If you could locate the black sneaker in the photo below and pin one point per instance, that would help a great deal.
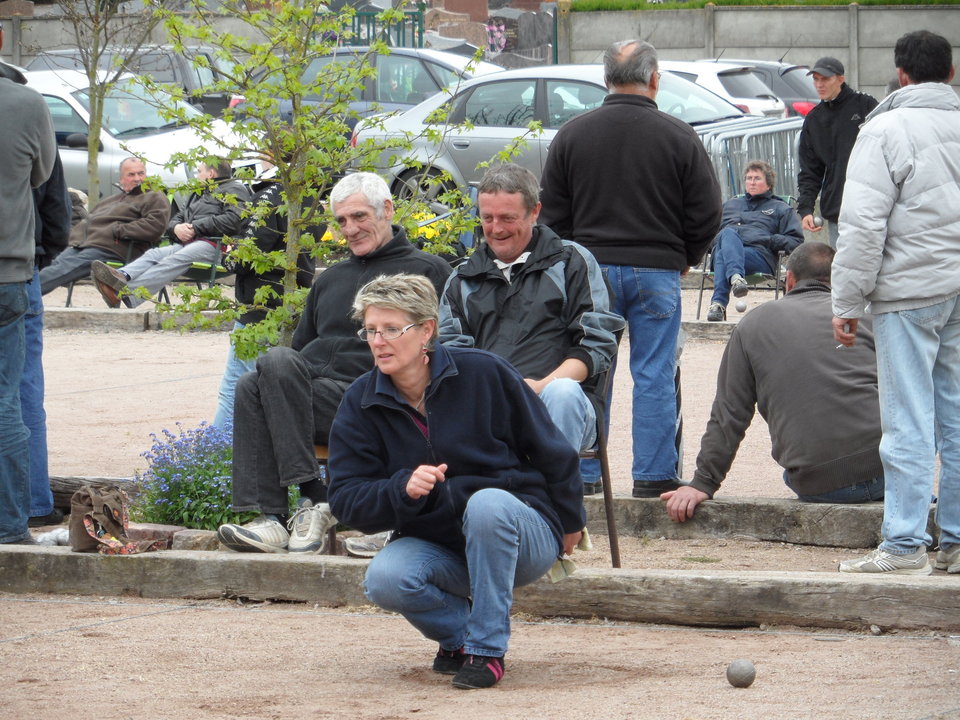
(54, 517)
(593, 488)
(478, 672)
(448, 662)
(716, 313)
(653, 489)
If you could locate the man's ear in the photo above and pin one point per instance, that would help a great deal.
(790, 281)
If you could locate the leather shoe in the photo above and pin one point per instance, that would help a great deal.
(109, 282)
(593, 488)
(653, 489)
(716, 313)
(54, 517)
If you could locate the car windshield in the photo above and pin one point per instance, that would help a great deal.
(744, 84)
(129, 111)
(692, 103)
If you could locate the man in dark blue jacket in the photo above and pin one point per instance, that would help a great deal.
(755, 228)
(536, 300)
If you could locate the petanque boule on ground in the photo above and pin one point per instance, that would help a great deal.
(741, 673)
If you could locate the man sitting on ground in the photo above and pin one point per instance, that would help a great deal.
(129, 222)
(286, 406)
(537, 301)
(755, 228)
(820, 402)
(195, 233)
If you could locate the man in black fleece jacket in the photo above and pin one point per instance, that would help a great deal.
(287, 404)
(635, 186)
(820, 401)
(826, 140)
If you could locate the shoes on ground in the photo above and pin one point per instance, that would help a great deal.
(479, 671)
(448, 662)
(109, 282)
(948, 560)
(881, 561)
(263, 534)
(366, 546)
(716, 313)
(738, 286)
(28, 540)
(654, 489)
(309, 526)
(593, 488)
(54, 517)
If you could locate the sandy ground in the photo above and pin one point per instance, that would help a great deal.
(131, 658)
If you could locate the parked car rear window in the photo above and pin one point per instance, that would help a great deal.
(744, 84)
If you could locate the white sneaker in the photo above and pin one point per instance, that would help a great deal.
(366, 545)
(881, 561)
(309, 526)
(948, 560)
(262, 534)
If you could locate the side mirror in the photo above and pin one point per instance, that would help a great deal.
(78, 141)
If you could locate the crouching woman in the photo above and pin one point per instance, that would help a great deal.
(452, 451)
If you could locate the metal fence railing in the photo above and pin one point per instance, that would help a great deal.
(408, 33)
(732, 145)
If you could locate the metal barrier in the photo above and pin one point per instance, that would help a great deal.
(408, 33)
(731, 145)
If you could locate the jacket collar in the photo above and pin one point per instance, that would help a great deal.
(845, 92)
(397, 246)
(544, 244)
(381, 390)
(809, 286)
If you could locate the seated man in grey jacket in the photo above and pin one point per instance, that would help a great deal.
(195, 233)
(820, 401)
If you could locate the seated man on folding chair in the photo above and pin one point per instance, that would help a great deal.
(536, 300)
(756, 227)
(195, 233)
(119, 228)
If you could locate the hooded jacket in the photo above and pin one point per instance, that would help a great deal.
(556, 306)
(505, 441)
(328, 339)
(827, 136)
(899, 246)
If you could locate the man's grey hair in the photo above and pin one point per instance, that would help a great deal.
(132, 158)
(635, 66)
(413, 295)
(811, 261)
(512, 178)
(370, 185)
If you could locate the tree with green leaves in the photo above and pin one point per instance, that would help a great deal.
(102, 29)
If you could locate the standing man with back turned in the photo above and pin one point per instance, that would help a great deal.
(635, 186)
(29, 149)
(899, 251)
(826, 139)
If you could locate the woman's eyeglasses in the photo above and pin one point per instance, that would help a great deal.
(390, 333)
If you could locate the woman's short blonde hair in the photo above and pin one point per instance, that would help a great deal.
(413, 295)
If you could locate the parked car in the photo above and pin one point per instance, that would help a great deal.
(160, 62)
(733, 81)
(787, 81)
(403, 78)
(498, 109)
(132, 125)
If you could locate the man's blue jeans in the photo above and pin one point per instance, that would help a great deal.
(228, 384)
(731, 257)
(466, 603)
(918, 367)
(861, 492)
(572, 412)
(14, 455)
(649, 299)
(31, 402)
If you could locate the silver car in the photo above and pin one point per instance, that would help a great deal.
(486, 114)
(132, 125)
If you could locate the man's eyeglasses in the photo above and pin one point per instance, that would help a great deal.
(390, 333)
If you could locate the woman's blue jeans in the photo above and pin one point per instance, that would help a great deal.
(465, 602)
(14, 455)
(731, 257)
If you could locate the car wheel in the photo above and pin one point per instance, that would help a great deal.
(423, 185)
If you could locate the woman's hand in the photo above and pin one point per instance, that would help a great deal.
(423, 479)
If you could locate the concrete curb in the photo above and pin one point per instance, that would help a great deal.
(717, 599)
